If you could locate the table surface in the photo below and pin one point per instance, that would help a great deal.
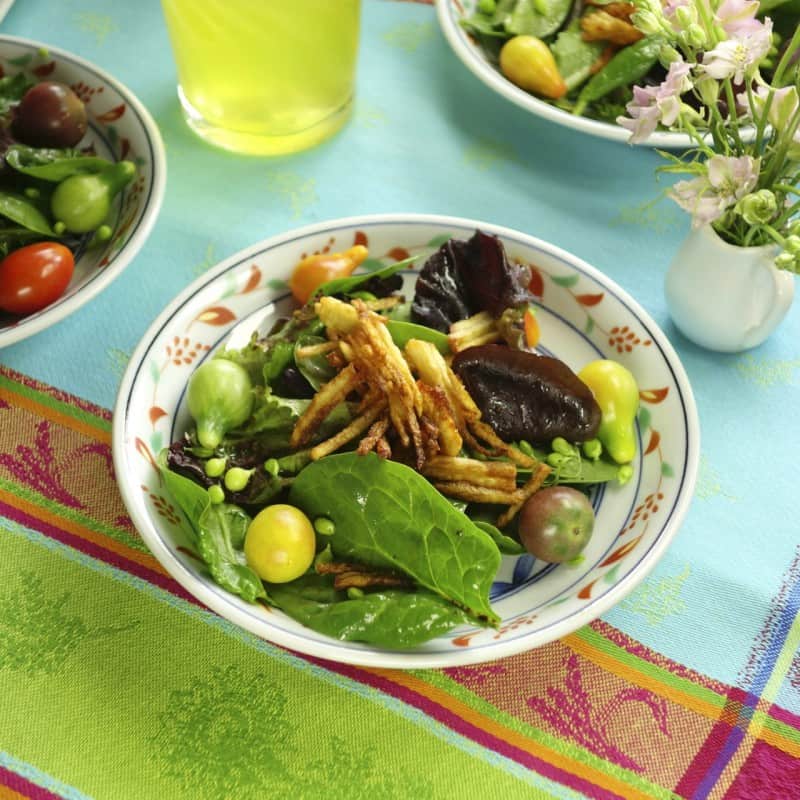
(113, 684)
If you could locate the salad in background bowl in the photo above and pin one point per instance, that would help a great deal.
(168, 434)
(588, 91)
(81, 185)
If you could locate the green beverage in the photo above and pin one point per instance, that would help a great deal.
(264, 77)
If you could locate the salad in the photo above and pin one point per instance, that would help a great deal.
(583, 56)
(56, 193)
(366, 463)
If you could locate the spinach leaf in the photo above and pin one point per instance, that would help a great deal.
(353, 283)
(389, 618)
(540, 18)
(387, 515)
(506, 544)
(574, 56)
(52, 165)
(317, 370)
(19, 209)
(401, 332)
(12, 90)
(219, 532)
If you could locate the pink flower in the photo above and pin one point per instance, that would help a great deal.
(737, 17)
(741, 54)
(652, 105)
(709, 196)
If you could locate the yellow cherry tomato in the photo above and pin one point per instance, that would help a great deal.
(528, 62)
(320, 268)
(280, 543)
(617, 393)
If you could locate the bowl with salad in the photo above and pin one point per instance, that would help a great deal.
(406, 441)
(81, 183)
(572, 62)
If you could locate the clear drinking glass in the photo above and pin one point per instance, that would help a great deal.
(264, 76)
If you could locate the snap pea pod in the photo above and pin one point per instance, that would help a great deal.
(624, 69)
(19, 209)
(52, 165)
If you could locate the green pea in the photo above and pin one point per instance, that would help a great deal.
(272, 466)
(557, 460)
(32, 192)
(236, 479)
(215, 467)
(354, 593)
(624, 474)
(526, 448)
(324, 526)
(216, 494)
(561, 445)
(487, 6)
(592, 448)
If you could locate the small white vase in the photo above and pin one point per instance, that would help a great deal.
(723, 297)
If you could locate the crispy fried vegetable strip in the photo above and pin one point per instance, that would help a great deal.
(532, 486)
(618, 10)
(311, 350)
(324, 401)
(336, 315)
(383, 303)
(436, 407)
(495, 474)
(366, 580)
(600, 26)
(374, 435)
(487, 434)
(347, 434)
(464, 490)
(383, 448)
(473, 331)
(603, 59)
(348, 575)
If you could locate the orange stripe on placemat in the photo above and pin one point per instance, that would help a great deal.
(99, 539)
(632, 675)
(50, 413)
(10, 794)
(518, 740)
(696, 704)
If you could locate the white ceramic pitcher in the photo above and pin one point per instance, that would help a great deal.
(723, 297)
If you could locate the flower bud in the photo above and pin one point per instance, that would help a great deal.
(686, 16)
(786, 261)
(647, 22)
(696, 35)
(708, 89)
(758, 208)
(668, 55)
(792, 245)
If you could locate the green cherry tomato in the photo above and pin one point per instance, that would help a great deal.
(34, 276)
(82, 202)
(280, 543)
(556, 523)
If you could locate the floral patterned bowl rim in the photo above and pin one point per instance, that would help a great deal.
(449, 12)
(121, 126)
(583, 315)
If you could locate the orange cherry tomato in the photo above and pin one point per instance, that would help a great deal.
(34, 276)
(532, 332)
(317, 269)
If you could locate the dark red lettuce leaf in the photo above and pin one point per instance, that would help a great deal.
(463, 278)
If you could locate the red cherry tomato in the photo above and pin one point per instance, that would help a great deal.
(34, 276)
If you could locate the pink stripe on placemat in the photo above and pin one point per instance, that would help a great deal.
(15, 782)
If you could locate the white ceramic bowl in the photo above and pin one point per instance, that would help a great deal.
(472, 56)
(583, 315)
(120, 128)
